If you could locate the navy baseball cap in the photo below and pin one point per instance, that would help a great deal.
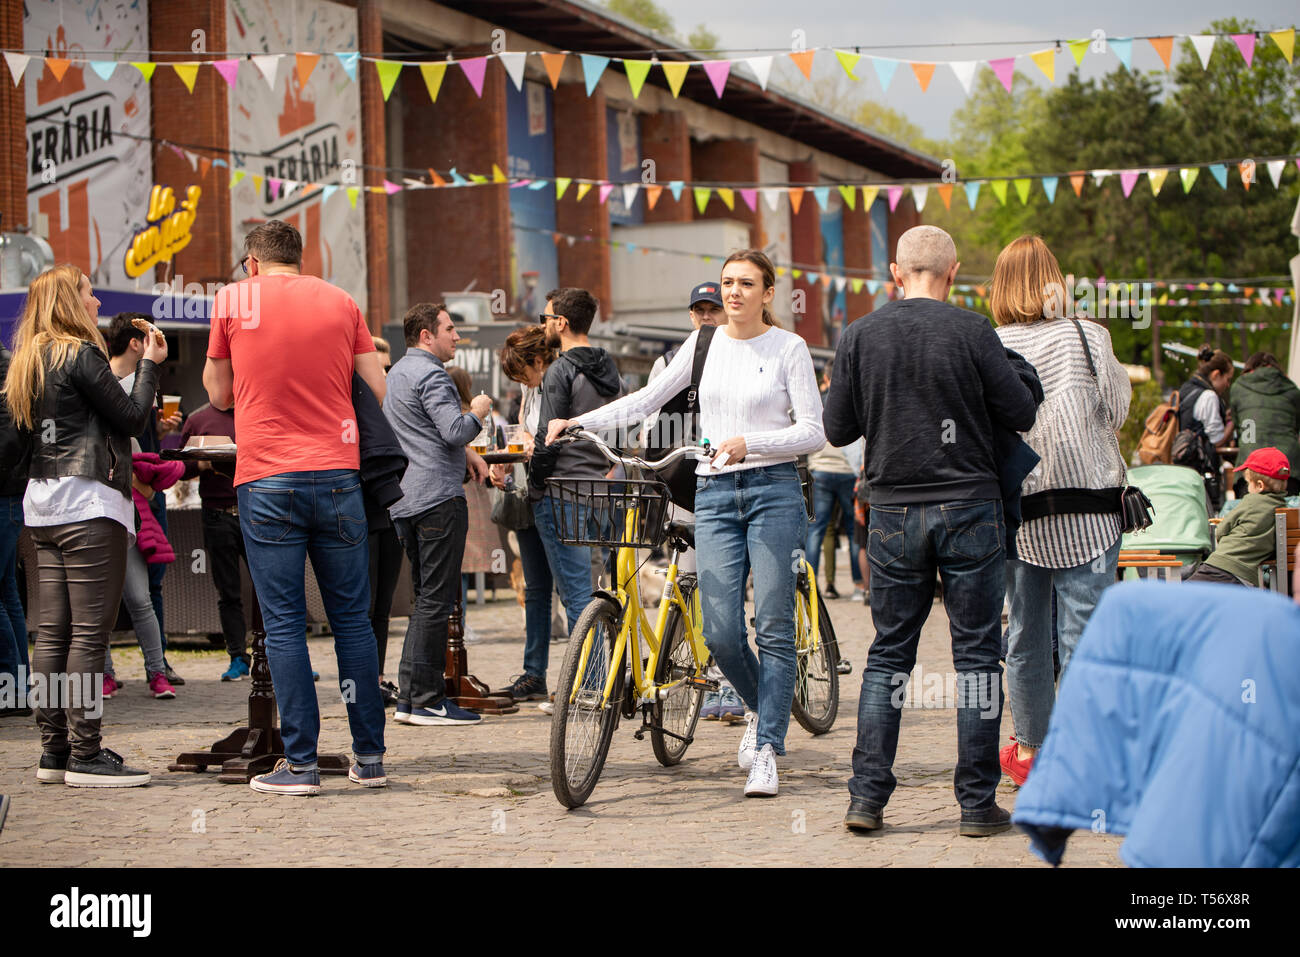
(706, 292)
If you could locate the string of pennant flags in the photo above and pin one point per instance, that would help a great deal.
(675, 72)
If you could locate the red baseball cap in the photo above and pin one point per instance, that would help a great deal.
(1267, 461)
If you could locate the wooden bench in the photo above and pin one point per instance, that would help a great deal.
(1152, 560)
(1276, 572)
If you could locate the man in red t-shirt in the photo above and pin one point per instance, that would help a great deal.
(282, 349)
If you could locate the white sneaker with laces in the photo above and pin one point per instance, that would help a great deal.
(748, 743)
(762, 776)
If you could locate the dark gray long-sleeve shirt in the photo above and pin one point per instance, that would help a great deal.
(423, 407)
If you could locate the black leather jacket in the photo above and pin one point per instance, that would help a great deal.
(85, 422)
(15, 444)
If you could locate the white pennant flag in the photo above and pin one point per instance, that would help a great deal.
(514, 64)
(840, 283)
(762, 67)
(1204, 47)
(773, 198)
(269, 64)
(17, 65)
(965, 71)
(918, 196)
(1100, 174)
(629, 194)
(194, 160)
(1275, 171)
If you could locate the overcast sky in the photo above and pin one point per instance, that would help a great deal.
(947, 23)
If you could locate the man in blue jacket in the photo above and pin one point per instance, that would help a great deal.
(928, 384)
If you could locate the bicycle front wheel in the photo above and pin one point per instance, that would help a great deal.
(581, 727)
(676, 713)
(817, 683)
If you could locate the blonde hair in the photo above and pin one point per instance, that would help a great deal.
(381, 345)
(925, 249)
(54, 325)
(1027, 283)
(1271, 484)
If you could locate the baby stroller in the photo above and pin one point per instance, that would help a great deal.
(1181, 520)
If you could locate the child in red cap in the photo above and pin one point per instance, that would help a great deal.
(1246, 535)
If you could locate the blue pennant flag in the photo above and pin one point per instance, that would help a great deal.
(1049, 187)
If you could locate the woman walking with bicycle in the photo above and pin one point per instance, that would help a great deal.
(759, 390)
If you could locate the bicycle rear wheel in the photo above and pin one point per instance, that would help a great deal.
(817, 683)
(678, 711)
(581, 728)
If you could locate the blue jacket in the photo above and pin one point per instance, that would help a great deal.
(1178, 725)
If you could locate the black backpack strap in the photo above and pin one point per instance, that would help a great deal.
(702, 343)
(1086, 351)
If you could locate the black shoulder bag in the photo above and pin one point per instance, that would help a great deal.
(680, 476)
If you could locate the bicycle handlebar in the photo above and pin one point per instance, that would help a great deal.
(576, 432)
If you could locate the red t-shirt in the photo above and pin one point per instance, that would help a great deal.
(290, 341)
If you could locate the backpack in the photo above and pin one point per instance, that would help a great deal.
(1159, 432)
(685, 406)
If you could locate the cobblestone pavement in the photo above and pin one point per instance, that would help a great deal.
(482, 795)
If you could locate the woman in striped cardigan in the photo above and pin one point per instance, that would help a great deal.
(1069, 541)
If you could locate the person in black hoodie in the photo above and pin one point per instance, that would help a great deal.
(78, 505)
(581, 379)
(929, 384)
(15, 456)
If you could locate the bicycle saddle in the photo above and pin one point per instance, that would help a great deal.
(682, 531)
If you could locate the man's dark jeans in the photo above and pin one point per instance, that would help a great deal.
(964, 540)
(225, 545)
(435, 545)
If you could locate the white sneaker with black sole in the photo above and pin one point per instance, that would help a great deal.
(762, 776)
(748, 743)
(104, 770)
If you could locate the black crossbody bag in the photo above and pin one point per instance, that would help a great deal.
(680, 476)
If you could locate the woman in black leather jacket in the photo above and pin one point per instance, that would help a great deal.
(78, 506)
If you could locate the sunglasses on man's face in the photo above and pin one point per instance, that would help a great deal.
(543, 316)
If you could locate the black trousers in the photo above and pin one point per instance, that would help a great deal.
(385, 564)
(225, 547)
(435, 546)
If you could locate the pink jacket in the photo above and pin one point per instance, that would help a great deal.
(159, 475)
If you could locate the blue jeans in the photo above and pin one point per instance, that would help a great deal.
(965, 542)
(284, 519)
(13, 623)
(1030, 682)
(570, 564)
(828, 488)
(760, 512)
(538, 584)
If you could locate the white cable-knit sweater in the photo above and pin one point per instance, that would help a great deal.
(750, 387)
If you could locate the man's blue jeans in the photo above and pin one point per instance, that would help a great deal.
(13, 624)
(965, 541)
(1031, 684)
(760, 512)
(570, 564)
(285, 519)
(828, 488)
(538, 584)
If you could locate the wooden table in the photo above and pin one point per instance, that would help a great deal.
(256, 747)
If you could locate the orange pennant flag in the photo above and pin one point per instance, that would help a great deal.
(58, 67)
(804, 62)
(1165, 47)
(306, 63)
(1076, 180)
(205, 164)
(652, 195)
(437, 180)
(1247, 173)
(924, 72)
(796, 198)
(945, 194)
(554, 63)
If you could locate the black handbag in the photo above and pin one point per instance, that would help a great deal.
(680, 476)
(511, 508)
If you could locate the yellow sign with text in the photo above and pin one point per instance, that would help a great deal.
(168, 231)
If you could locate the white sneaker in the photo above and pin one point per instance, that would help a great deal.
(547, 707)
(748, 743)
(762, 776)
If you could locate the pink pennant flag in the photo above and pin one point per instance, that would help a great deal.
(895, 194)
(717, 71)
(475, 68)
(605, 190)
(1005, 69)
(229, 70)
(1127, 179)
(391, 188)
(275, 187)
(1246, 44)
(750, 196)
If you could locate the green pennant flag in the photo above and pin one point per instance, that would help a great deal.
(850, 194)
(561, 184)
(1022, 190)
(848, 61)
(1188, 176)
(701, 197)
(353, 192)
(235, 177)
(636, 73)
(146, 69)
(999, 187)
(388, 71)
(477, 178)
(1078, 48)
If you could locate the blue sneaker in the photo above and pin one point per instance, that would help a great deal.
(446, 712)
(285, 780)
(368, 775)
(711, 703)
(402, 714)
(731, 708)
(238, 669)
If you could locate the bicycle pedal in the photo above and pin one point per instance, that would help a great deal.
(706, 684)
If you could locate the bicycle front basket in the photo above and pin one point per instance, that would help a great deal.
(595, 511)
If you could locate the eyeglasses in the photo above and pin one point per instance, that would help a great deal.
(543, 316)
(243, 264)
